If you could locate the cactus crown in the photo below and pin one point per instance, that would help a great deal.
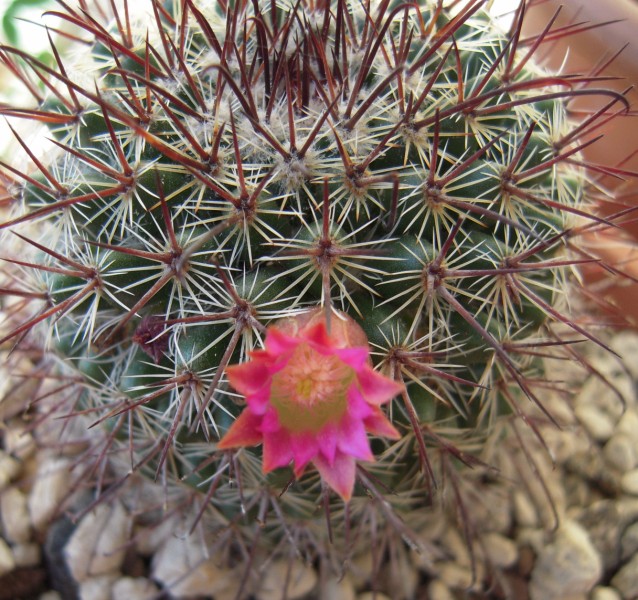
(218, 166)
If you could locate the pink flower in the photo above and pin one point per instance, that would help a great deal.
(312, 397)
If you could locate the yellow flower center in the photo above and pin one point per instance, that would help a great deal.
(311, 390)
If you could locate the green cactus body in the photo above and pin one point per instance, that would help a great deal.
(241, 162)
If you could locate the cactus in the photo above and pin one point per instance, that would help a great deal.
(219, 170)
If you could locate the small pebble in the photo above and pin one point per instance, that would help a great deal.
(493, 509)
(51, 483)
(610, 401)
(16, 522)
(361, 567)
(627, 508)
(400, 576)
(183, 566)
(300, 579)
(628, 425)
(501, 551)
(438, 590)
(626, 345)
(97, 588)
(337, 589)
(134, 588)
(604, 525)
(7, 562)
(9, 469)
(626, 579)
(598, 424)
(604, 593)
(619, 452)
(629, 542)
(455, 575)
(568, 565)
(629, 482)
(18, 442)
(148, 540)
(525, 513)
(98, 544)
(372, 596)
(456, 547)
(27, 555)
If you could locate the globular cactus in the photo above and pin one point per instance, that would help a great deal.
(228, 174)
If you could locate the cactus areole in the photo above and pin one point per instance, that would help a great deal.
(277, 250)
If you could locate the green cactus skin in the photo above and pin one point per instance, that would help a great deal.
(234, 163)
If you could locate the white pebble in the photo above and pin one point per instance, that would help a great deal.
(18, 442)
(96, 588)
(337, 589)
(524, 511)
(9, 469)
(27, 555)
(400, 576)
(184, 567)
(628, 425)
(16, 522)
(456, 545)
(7, 562)
(438, 590)
(629, 542)
(361, 567)
(626, 579)
(98, 544)
(619, 452)
(501, 551)
(604, 593)
(626, 345)
(148, 540)
(566, 566)
(134, 588)
(300, 580)
(629, 482)
(51, 484)
(598, 393)
(597, 423)
(455, 575)
(372, 596)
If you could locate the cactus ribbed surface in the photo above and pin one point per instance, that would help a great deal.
(218, 166)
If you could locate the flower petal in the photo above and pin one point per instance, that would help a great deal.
(358, 408)
(356, 357)
(378, 424)
(278, 343)
(277, 450)
(328, 439)
(270, 422)
(249, 377)
(304, 448)
(259, 401)
(353, 439)
(245, 431)
(340, 475)
(318, 336)
(377, 389)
